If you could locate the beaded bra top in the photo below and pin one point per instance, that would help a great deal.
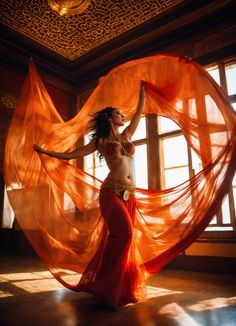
(114, 148)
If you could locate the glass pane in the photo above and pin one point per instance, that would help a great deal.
(234, 106)
(124, 126)
(234, 190)
(91, 161)
(174, 177)
(219, 228)
(88, 161)
(175, 151)
(101, 172)
(8, 214)
(230, 72)
(196, 162)
(234, 180)
(214, 72)
(234, 196)
(101, 169)
(225, 211)
(192, 108)
(166, 125)
(214, 220)
(68, 203)
(140, 163)
(213, 114)
(90, 171)
(86, 139)
(140, 132)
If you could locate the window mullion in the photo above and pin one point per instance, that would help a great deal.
(152, 152)
(190, 162)
(94, 165)
(232, 209)
(223, 82)
(219, 218)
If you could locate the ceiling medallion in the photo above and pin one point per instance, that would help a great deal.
(69, 7)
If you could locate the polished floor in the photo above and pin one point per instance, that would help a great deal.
(30, 296)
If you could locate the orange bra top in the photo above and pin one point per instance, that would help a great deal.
(113, 148)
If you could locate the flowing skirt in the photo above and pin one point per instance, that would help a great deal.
(114, 274)
(73, 241)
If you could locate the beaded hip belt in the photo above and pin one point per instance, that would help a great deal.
(121, 189)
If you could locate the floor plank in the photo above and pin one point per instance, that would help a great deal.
(29, 295)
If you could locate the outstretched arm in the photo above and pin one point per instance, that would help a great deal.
(130, 130)
(79, 152)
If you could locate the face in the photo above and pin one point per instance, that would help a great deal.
(117, 117)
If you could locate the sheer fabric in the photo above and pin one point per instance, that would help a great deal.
(57, 204)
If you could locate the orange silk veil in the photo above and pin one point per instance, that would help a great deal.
(56, 203)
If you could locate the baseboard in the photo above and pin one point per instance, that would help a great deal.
(14, 242)
(207, 264)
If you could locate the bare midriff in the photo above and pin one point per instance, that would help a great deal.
(121, 168)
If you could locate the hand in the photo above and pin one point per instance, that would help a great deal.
(36, 148)
(39, 149)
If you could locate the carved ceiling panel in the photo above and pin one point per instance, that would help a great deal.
(74, 36)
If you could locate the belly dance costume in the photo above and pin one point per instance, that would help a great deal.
(114, 273)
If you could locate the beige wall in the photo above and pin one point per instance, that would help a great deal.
(212, 249)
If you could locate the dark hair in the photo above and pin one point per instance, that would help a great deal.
(100, 125)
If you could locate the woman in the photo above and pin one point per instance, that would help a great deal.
(114, 273)
(71, 242)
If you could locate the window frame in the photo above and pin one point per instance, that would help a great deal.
(155, 154)
(209, 235)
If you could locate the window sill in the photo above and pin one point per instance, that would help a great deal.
(218, 236)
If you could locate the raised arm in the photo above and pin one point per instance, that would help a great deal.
(130, 130)
(79, 152)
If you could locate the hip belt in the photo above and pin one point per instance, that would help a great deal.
(121, 189)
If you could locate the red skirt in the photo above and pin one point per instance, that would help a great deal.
(114, 274)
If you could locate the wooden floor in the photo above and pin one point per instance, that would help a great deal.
(29, 295)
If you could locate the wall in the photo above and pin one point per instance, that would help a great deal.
(212, 249)
(13, 81)
(10, 88)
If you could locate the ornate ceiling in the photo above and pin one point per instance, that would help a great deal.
(76, 35)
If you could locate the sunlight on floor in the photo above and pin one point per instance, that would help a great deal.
(35, 282)
(213, 304)
(25, 276)
(29, 282)
(176, 313)
(153, 292)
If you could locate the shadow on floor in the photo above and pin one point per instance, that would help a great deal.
(29, 295)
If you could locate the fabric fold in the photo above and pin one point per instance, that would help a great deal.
(57, 204)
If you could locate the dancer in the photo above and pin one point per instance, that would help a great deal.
(57, 203)
(114, 273)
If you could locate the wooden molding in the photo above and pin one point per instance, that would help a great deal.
(192, 28)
